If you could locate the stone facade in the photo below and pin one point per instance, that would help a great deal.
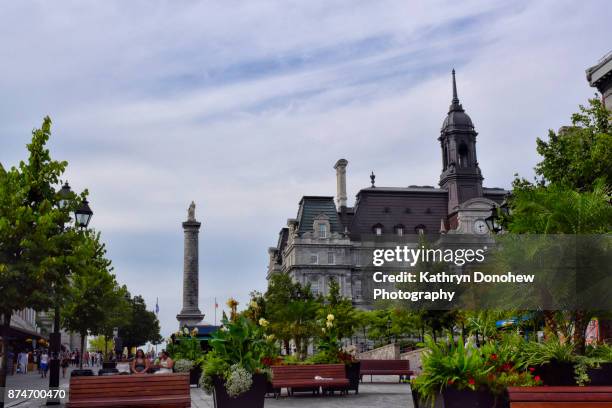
(330, 240)
(600, 77)
(190, 314)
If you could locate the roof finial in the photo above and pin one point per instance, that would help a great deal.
(455, 97)
(372, 178)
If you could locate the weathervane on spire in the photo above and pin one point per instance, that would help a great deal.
(372, 178)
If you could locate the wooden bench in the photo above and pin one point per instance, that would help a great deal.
(149, 390)
(560, 397)
(302, 378)
(385, 367)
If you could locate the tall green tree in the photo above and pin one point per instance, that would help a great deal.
(579, 155)
(141, 325)
(91, 291)
(573, 194)
(34, 247)
(345, 317)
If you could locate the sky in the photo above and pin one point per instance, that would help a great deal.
(244, 107)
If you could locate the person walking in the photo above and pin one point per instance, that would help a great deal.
(44, 364)
(64, 362)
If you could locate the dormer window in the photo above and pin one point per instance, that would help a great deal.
(322, 231)
(399, 230)
(377, 229)
(321, 226)
(420, 229)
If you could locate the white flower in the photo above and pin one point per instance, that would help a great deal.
(182, 365)
(239, 381)
(263, 322)
(185, 330)
(329, 324)
(330, 317)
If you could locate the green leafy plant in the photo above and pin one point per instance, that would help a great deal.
(493, 367)
(240, 345)
(184, 344)
(594, 358)
(553, 349)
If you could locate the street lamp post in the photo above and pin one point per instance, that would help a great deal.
(82, 216)
(494, 220)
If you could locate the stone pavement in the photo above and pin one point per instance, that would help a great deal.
(388, 395)
(33, 381)
(378, 394)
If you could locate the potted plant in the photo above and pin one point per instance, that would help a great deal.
(329, 351)
(553, 360)
(184, 346)
(595, 368)
(456, 375)
(234, 371)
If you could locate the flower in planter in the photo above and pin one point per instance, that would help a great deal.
(263, 322)
(330, 317)
(183, 365)
(329, 324)
(239, 381)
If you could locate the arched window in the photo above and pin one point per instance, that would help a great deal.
(463, 155)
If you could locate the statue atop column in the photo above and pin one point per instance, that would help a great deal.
(190, 314)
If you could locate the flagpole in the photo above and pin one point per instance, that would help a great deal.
(216, 311)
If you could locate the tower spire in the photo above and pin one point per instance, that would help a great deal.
(455, 98)
(455, 105)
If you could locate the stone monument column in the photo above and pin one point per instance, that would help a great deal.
(190, 315)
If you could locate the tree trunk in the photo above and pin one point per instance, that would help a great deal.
(581, 321)
(83, 336)
(550, 323)
(6, 324)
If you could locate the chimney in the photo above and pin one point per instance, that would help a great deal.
(341, 182)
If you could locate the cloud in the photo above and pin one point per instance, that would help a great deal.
(245, 106)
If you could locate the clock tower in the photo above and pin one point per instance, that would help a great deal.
(461, 176)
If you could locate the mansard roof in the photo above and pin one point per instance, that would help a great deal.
(313, 206)
(392, 206)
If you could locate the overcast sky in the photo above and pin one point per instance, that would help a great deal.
(244, 107)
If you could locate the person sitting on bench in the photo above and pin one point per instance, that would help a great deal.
(165, 363)
(140, 364)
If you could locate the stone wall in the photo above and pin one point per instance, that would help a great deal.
(388, 352)
(414, 357)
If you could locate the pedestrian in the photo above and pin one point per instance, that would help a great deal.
(44, 364)
(64, 362)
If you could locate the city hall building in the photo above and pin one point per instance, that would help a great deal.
(330, 240)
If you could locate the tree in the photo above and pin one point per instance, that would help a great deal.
(573, 196)
(292, 310)
(579, 155)
(141, 325)
(345, 318)
(100, 343)
(33, 245)
(91, 291)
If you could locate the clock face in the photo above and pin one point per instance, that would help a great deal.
(480, 227)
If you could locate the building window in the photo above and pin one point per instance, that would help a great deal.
(358, 289)
(399, 230)
(314, 259)
(331, 258)
(420, 229)
(377, 229)
(314, 286)
(322, 231)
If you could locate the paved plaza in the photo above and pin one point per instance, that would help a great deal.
(377, 394)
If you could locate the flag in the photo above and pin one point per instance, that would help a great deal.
(157, 306)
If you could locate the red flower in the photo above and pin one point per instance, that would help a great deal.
(531, 369)
(537, 378)
(451, 382)
(471, 381)
(493, 357)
